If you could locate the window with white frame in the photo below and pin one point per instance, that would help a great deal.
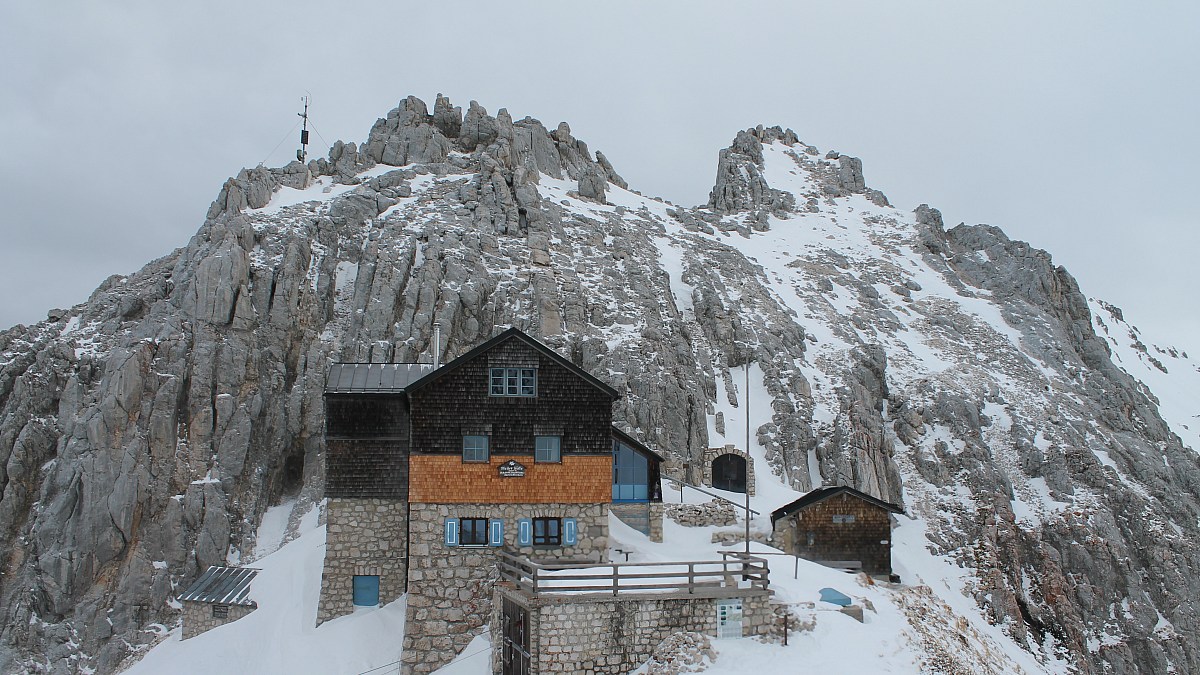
(547, 448)
(475, 448)
(513, 382)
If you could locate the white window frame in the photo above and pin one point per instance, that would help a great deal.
(512, 382)
(474, 458)
(546, 451)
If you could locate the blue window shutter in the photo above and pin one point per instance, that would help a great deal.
(569, 531)
(525, 532)
(495, 532)
(452, 531)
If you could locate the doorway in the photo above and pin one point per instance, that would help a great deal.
(729, 473)
(514, 651)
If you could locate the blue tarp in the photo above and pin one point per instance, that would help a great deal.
(835, 597)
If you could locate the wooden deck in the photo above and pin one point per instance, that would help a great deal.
(736, 573)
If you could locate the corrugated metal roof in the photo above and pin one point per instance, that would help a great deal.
(224, 585)
(356, 378)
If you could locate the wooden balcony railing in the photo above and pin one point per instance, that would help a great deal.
(737, 571)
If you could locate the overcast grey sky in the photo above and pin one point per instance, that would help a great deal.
(1071, 126)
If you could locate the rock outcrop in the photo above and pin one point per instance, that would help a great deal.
(144, 432)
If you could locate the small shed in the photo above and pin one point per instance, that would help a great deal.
(218, 597)
(839, 527)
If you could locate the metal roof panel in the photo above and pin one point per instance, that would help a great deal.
(223, 585)
(383, 378)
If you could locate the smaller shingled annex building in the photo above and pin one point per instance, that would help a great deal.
(839, 527)
(218, 597)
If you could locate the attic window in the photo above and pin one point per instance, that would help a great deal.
(513, 382)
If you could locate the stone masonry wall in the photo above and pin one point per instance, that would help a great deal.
(450, 587)
(645, 517)
(198, 617)
(708, 514)
(656, 522)
(363, 536)
(614, 636)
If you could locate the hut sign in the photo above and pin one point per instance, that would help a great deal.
(512, 469)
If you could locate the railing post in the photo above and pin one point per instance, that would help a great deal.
(534, 578)
(691, 578)
(616, 576)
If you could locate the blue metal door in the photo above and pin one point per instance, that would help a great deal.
(366, 590)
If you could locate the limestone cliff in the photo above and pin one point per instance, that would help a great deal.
(144, 432)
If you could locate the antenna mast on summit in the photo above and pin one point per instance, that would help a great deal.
(302, 153)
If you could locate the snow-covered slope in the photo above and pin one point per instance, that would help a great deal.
(1170, 375)
(148, 431)
(279, 636)
(907, 628)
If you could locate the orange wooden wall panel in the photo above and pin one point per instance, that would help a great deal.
(446, 479)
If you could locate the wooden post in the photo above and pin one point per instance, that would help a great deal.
(616, 574)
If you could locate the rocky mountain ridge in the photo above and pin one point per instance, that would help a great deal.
(144, 433)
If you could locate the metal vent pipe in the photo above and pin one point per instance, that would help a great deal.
(437, 345)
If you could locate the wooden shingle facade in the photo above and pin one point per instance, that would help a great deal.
(840, 527)
(457, 399)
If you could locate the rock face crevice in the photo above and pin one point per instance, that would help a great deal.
(144, 432)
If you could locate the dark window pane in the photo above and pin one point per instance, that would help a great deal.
(546, 532)
(473, 531)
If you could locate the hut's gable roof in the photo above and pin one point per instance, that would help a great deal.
(512, 334)
(821, 494)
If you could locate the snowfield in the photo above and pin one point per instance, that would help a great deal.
(908, 627)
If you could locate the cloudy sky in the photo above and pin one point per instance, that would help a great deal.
(1074, 126)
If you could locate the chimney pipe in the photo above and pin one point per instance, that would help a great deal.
(437, 345)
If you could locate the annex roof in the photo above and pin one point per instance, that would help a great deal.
(635, 444)
(373, 378)
(223, 585)
(823, 493)
(512, 334)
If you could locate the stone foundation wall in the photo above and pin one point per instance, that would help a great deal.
(450, 587)
(363, 536)
(614, 636)
(645, 517)
(714, 513)
(656, 522)
(198, 617)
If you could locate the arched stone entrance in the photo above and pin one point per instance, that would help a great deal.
(728, 468)
(729, 473)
